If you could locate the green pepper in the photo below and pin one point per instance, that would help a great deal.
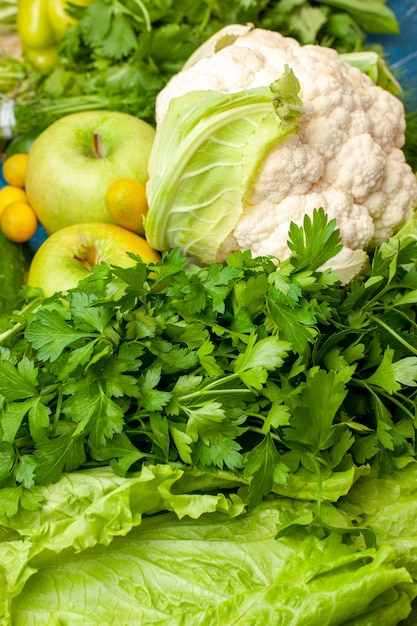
(41, 24)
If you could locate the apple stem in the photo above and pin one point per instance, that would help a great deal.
(88, 257)
(83, 262)
(99, 151)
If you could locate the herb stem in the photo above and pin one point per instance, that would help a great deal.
(213, 385)
(357, 382)
(216, 392)
(146, 17)
(57, 413)
(256, 429)
(393, 333)
(31, 307)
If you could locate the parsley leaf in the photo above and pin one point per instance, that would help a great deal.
(50, 334)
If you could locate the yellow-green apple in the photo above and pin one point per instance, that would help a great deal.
(67, 256)
(72, 163)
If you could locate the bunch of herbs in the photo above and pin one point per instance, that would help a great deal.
(267, 370)
(121, 53)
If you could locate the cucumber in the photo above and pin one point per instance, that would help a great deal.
(14, 265)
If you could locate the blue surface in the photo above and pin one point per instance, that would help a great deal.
(401, 50)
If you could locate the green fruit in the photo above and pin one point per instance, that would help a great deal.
(14, 265)
(22, 143)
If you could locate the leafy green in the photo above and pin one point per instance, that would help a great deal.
(121, 53)
(388, 504)
(372, 15)
(213, 131)
(272, 372)
(214, 562)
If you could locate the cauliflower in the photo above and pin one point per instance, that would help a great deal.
(344, 156)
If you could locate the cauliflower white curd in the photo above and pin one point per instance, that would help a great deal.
(345, 157)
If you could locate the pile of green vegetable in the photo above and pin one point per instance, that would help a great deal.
(172, 387)
(120, 53)
(223, 444)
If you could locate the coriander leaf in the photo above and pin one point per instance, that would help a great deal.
(242, 322)
(315, 242)
(307, 22)
(7, 458)
(189, 294)
(364, 449)
(311, 425)
(187, 384)
(223, 452)
(335, 360)
(384, 434)
(39, 422)
(218, 283)
(97, 415)
(205, 422)
(264, 466)
(78, 356)
(13, 386)
(250, 295)
(182, 442)
(140, 325)
(25, 472)
(28, 370)
(134, 277)
(172, 358)
(171, 263)
(384, 423)
(194, 335)
(292, 325)
(278, 415)
(54, 456)
(160, 433)
(208, 362)
(339, 450)
(13, 498)
(150, 398)
(121, 453)
(116, 381)
(267, 353)
(154, 399)
(108, 29)
(384, 375)
(254, 378)
(405, 371)
(87, 316)
(287, 288)
(50, 334)
(12, 417)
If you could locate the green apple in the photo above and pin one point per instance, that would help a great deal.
(72, 163)
(67, 256)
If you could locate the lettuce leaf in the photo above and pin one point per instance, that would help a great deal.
(101, 551)
(389, 505)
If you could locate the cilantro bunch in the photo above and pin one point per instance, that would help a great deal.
(267, 370)
(120, 53)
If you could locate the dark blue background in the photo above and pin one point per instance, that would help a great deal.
(401, 50)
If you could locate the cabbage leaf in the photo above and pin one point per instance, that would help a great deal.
(206, 152)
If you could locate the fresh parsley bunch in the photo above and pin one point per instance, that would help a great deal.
(271, 371)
